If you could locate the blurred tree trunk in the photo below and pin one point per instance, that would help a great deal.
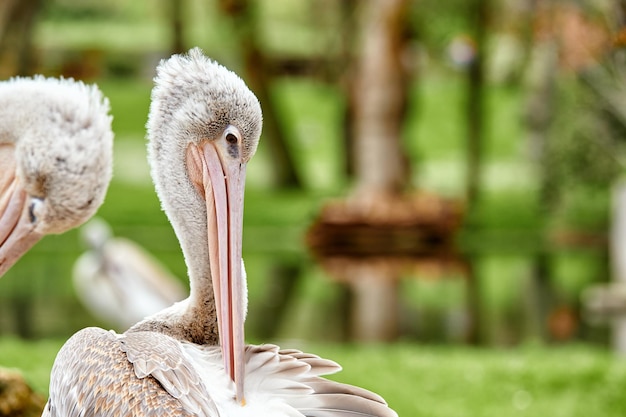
(539, 115)
(17, 21)
(23, 313)
(349, 24)
(380, 100)
(618, 262)
(475, 117)
(176, 11)
(258, 77)
(526, 18)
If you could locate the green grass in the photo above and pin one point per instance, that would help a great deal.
(442, 382)
(34, 359)
(434, 381)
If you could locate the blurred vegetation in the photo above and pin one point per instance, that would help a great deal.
(118, 43)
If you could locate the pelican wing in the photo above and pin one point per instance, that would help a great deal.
(92, 376)
(162, 357)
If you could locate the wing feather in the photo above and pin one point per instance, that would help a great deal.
(294, 377)
(93, 376)
(341, 405)
(324, 386)
(164, 358)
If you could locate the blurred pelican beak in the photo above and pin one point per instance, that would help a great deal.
(221, 180)
(17, 228)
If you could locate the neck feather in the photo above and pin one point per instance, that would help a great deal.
(181, 321)
(194, 319)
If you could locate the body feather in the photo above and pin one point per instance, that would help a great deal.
(148, 373)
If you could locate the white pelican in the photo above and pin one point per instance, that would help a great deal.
(55, 159)
(203, 127)
(118, 281)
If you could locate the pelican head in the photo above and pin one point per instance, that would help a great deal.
(55, 159)
(203, 128)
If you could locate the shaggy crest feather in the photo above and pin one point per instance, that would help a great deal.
(61, 130)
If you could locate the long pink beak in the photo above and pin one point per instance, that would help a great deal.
(223, 183)
(17, 234)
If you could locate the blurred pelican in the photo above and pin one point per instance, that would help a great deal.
(55, 159)
(190, 359)
(118, 281)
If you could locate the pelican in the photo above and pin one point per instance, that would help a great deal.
(118, 281)
(190, 359)
(55, 159)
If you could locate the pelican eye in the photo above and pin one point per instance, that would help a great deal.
(34, 209)
(232, 136)
(232, 139)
